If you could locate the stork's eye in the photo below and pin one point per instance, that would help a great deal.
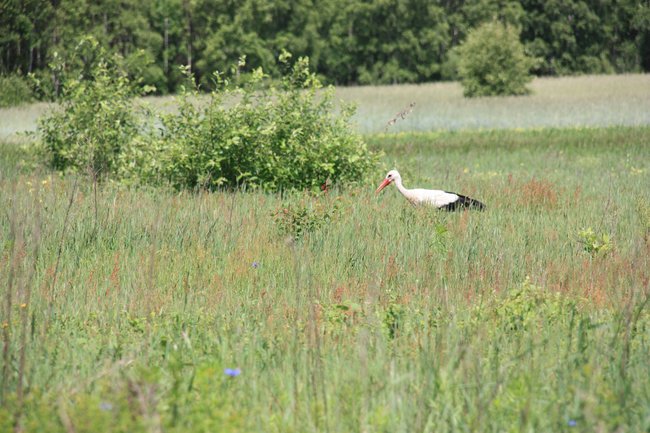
(390, 175)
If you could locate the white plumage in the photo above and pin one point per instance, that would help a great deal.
(433, 197)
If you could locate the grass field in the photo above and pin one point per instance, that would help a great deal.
(596, 101)
(149, 310)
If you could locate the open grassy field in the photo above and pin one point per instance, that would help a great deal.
(154, 311)
(602, 100)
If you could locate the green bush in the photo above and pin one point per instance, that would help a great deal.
(528, 306)
(14, 90)
(260, 135)
(593, 243)
(96, 122)
(251, 134)
(307, 215)
(492, 62)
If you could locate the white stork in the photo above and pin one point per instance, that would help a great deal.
(434, 197)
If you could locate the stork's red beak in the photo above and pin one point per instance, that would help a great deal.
(383, 185)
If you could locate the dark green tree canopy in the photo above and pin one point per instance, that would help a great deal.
(347, 41)
(492, 62)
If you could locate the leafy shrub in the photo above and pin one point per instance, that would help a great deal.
(492, 62)
(527, 306)
(14, 90)
(260, 135)
(393, 318)
(341, 318)
(95, 124)
(298, 219)
(251, 134)
(97, 120)
(593, 243)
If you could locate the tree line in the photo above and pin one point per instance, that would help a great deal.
(347, 41)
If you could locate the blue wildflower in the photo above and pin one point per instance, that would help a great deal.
(572, 423)
(105, 406)
(256, 265)
(232, 372)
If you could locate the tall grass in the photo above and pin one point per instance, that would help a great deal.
(386, 318)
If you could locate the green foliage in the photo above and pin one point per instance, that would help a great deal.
(528, 306)
(593, 243)
(492, 62)
(341, 318)
(96, 122)
(260, 136)
(14, 90)
(247, 135)
(124, 31)
(297, 219)
(415, 42)
(393, 317)
(570, 36)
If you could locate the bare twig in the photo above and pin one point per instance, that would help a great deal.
(401, 115)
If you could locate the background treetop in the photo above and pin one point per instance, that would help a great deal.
(347, 41)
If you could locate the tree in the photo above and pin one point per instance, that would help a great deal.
(570, 36)
(492, 62)
(347, 41)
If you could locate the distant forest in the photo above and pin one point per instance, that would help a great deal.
(348, 41)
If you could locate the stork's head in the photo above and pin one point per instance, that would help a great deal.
(391, 177)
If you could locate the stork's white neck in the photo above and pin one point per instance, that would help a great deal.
(401, 188)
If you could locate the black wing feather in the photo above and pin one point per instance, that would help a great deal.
(463, 202)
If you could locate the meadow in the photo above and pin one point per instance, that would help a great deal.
(595, 101)
(149, 310)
